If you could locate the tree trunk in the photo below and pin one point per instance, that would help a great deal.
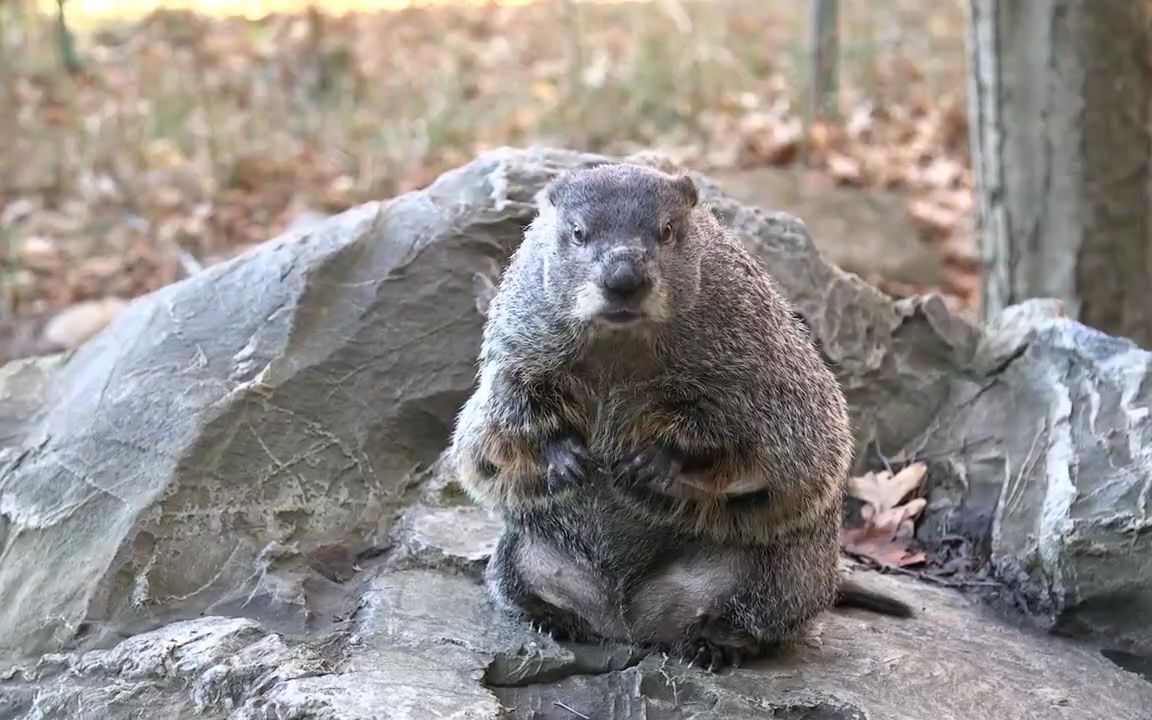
(1059, 109)
(823, 58)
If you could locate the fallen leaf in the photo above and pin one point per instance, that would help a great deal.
(40, 254)
(936, 220)
(882, 491)
(889, 527)
(847, 170)
(885, 537)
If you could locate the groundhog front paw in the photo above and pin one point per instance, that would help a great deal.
(655, 467)
(567, 461)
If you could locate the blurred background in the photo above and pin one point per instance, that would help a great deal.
(143, 141)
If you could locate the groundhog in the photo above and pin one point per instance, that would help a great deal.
(667, 446)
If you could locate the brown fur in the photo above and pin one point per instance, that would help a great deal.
(695, 460)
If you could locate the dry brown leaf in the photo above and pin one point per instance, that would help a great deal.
(40, 254)
(861, 123)
(885, 537)
(847, 170)
(824, 138)
(889, 526)
(770, 137)
(937, 220)
(883, 491)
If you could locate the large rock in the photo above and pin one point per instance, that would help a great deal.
(425, 643)
(25, 389)
(232, 428)
(1050, 431)
(240, 442)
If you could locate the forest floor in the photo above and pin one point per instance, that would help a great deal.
(180, 138)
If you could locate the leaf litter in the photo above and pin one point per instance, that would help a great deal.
(186, 138)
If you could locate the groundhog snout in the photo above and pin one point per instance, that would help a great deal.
(625, 281)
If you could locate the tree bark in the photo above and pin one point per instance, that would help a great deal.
(1059, 110)
(824, 58)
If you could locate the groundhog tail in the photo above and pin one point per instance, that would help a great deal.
(851, 595)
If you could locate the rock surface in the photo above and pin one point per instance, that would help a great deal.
(25, 389)
(242, 443)
(860, 230)
(1060, 456)
(424, 643)
(239, 423)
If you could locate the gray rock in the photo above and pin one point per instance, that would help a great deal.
(198, 668)
(425, 643)
(24, 391)
(459, 537)
(271, 405)
(241, 444)
(1066, 479)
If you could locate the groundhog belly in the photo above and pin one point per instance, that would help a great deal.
(575, 556)
(628, 580)
(563, 580)
(699, 581)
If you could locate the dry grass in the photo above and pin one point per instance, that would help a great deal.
(191, 135)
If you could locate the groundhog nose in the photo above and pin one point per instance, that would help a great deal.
(624, 281)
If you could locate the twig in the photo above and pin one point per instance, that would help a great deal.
(955, 449)
(883, 458)
(577, 713)
(188, 262)
(921, 575)
(66, 42)
(915, 457)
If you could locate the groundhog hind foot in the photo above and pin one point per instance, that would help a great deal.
(714, 658)
(560, 625)
(715, 645)
(557, 631)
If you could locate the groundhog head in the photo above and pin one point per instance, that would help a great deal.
(620, 245)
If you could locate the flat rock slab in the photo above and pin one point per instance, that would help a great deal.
(426, 643)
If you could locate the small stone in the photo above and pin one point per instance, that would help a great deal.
(76, 324)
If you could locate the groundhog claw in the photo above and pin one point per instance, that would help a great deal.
(655, 466)
(714, 658)
(567, 462)
(716, 645)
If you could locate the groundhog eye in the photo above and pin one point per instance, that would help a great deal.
(578, 234)
(666, 233)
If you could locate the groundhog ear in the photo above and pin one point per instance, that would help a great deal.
(687, 188)
(554, 191)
